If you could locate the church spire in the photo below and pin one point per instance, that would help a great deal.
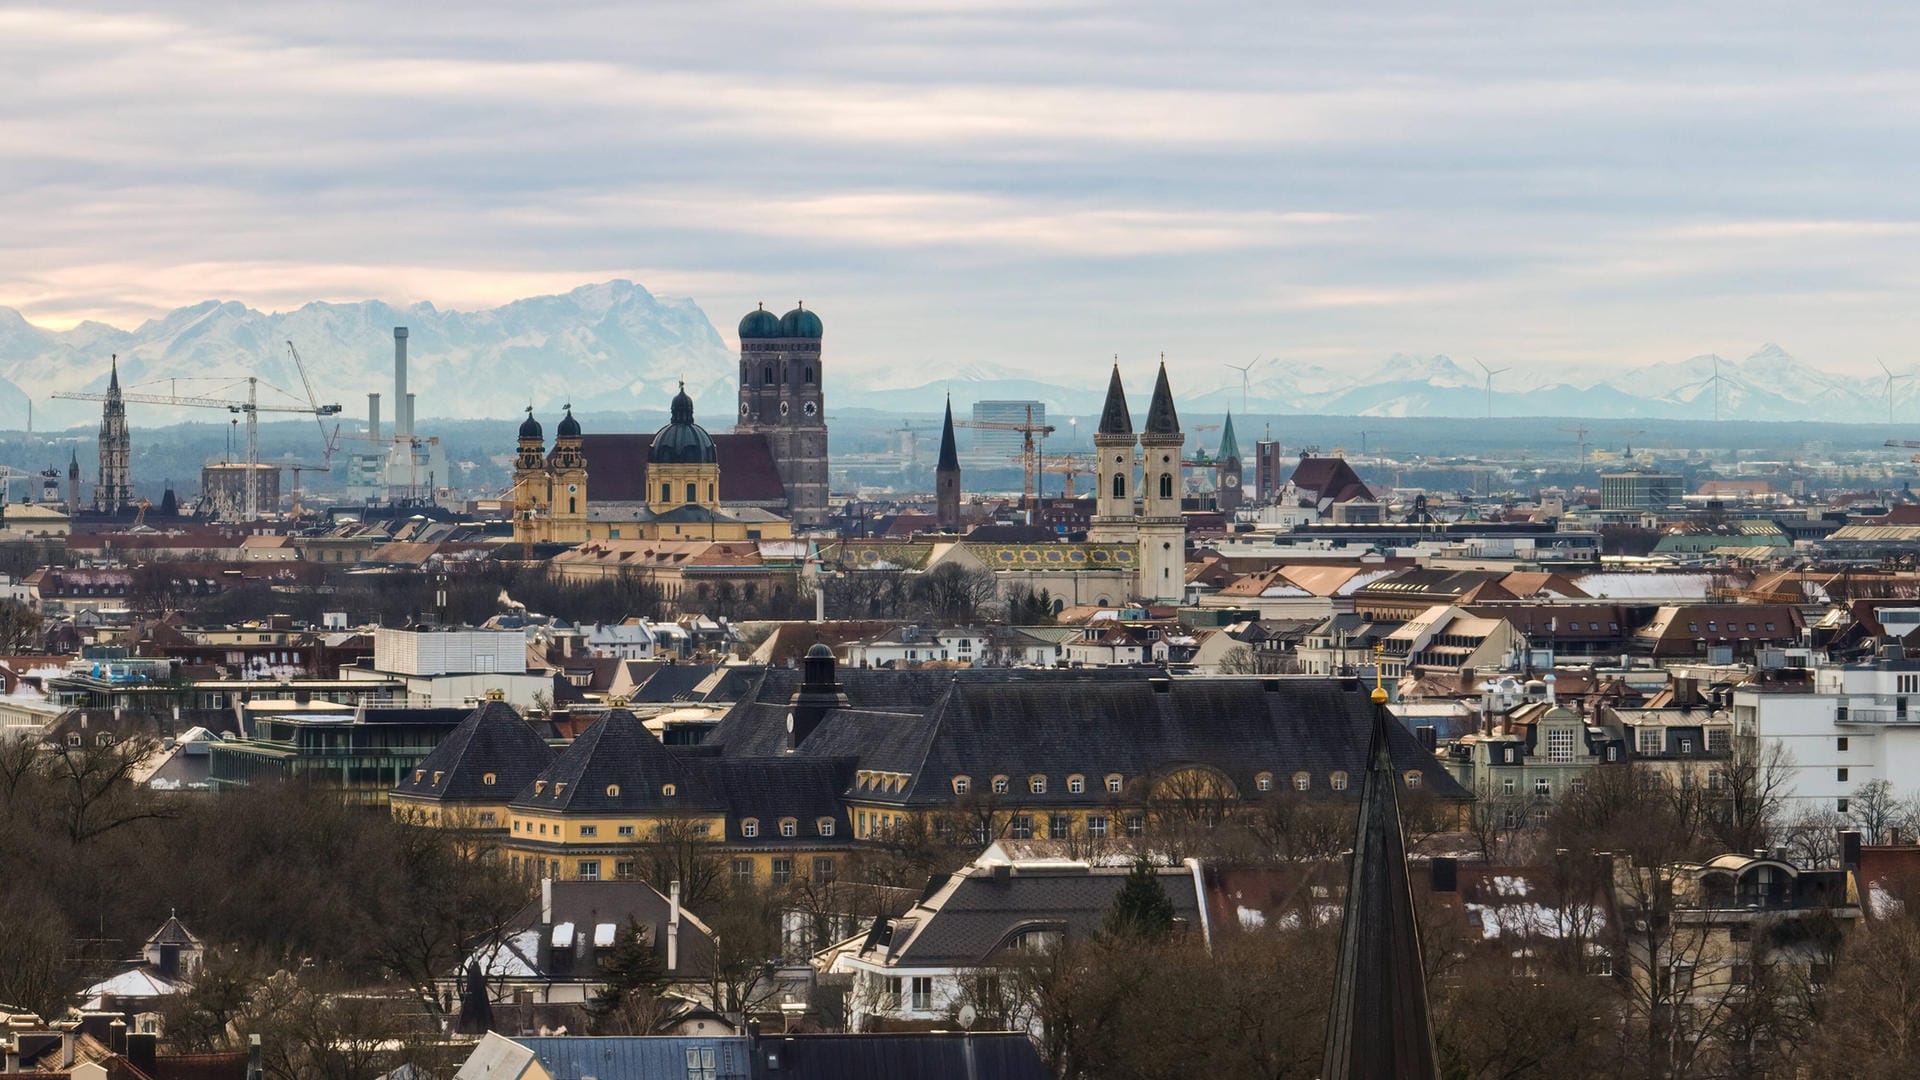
(1114, 417)
(949, 455)
(1161, 417)
(1229, 446)
(1378, 1027)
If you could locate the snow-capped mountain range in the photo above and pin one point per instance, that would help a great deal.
(616, 347)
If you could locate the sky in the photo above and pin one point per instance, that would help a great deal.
(1035, 185)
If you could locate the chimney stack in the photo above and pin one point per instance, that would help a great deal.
(142, 1048)
(373, 415)
(673, 926)
(402, 422)
(254, 1070)
(546, 901)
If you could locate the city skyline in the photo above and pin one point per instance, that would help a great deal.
(1627, 187)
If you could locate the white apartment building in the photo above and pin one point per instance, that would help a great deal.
(1858, 723)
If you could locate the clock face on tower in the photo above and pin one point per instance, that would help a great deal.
(783, 408)
(810, 408)
(743, 408)
(1230, 480)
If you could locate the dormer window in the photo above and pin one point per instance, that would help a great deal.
(668, 790)
(1114, 783)
(999, 785)
(1302, 781)
(613, 791)
(789, 827)
(489, 779)
(1263, 781)
(750, 828)
(962, 785)
(539, 787)
(824, 826)
(1076, 784)
(1413, 778)
(1037, 785)
(1338, 781)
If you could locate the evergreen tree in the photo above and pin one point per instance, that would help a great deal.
(1143, 909)
(631, 969)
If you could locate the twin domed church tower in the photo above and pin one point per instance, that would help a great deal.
(759, 481)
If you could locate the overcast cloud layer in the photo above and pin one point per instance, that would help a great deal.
(1032, 184)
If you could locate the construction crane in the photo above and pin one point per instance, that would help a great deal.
(1580, 434)
(1906, 444)
(1065, 467)
(250, 408)
(1030, 455)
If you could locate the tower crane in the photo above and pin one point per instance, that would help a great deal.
(1061, 466)
(250, 408)
(1030, 455)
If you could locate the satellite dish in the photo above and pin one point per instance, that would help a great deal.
(967, 1016)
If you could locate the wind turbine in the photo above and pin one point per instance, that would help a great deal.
(1245, 380)
(1891, 377)
(1491, 372)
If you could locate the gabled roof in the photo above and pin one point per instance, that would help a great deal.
(1331, 480)
(492, 740)
(618, 765)
(173, 932)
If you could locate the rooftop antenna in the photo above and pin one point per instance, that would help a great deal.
(1891, 378)
(1491, 372)
(1245, 379)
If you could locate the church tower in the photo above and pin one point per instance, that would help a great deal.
(946, 478)
(781, 398)
(1113, 446)
(73, 484)
(532, 484)
(1228, 472)
(114, 493)
(568, 468)
(1162, 531)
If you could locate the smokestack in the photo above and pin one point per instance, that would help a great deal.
(409, 415)
(373, 415)
(673, 927)
(402, 422)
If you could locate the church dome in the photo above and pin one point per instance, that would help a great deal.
(530, 428)
(760, 323)
(800, 323)
(682, 442)
(569, 427)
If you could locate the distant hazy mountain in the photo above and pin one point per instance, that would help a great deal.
(607, 346)
(615, 347)
(1768, 385)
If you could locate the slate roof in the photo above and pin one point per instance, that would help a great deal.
(576, 1057)
(1331, 479)
(618, 766)
(173, 932)
(492, 739)
(935, 725)
(975, 913)
(804, 788)
(617, 468)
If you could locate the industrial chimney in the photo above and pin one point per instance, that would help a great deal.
(373, 415)
(402, 422)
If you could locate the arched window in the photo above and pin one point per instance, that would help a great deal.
(1413, 778)
(1114, 783)
(824, 826)
(1119, 486)
(766, 376)
(667, 790)
(489, 779)
(710, 493)
(613, 791)
(1076, 784)
(1263, 781)
(1302, 781)
(572, 505)
(750, 828)
(1037, 784)
(1338, 781)
(962, 784)
(691, 489)
(999, 785)
(1166, 485)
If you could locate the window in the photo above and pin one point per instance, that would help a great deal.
(1119, 486)
(783, 871)
(766, 375)
(1413, 778)
(1076, 784)
(824, 826)
(487, 779)
(1302, 781)
(750, 828)
(1059, 827)
(1114, 783)
(623, 870)
(666, 492)
(789, 827)
(1020, 827)
(743, 871)
(1840, 775)
(589, 830)
(1650, 739)
(1719, 740)
(1560, 745)
(1136, 824)
(1840, 744)
(1263, 781)
(1686, 746)
(999, 785)
(922, 993)
(1097, 826)
(1338, 781)
(589, 869)
(626, 830)
(1543, 788)
(701, 1064)
(488, 817)
(823, 868)
(668, 790)
(1693, 628)
(962, 785)
(1840, 805)
(1037, 785)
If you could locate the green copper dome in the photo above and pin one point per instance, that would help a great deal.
(800, 323)
(760, 323)
(682, 442)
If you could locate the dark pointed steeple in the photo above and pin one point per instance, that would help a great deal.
(949, 455)
(1114, 417)
(113, 376)
(1161, 419)
(1378, 1027)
